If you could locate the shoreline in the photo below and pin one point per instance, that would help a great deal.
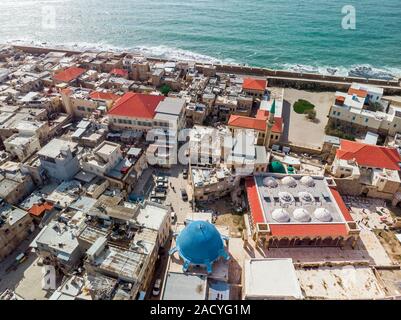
(311, 81)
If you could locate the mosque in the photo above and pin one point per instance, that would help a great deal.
(200, 244)
(198, 266)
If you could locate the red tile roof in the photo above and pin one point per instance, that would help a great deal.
(38, 209)
(341, 205)
(119, 72)
(136, 105)
(99, 95)
(360, 93)
(253, 200)
(254, 84)
(309, 230)
(301, 230)
(69, 74)
(258, 123)
(369, 155)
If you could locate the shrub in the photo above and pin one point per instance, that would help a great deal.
(165, 90)
(331, 130)
(375, 106)
(302, 105)
(310, 114)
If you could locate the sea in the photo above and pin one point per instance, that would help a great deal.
(298, 35)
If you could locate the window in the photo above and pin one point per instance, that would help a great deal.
(366, 120)
(338, 113)
(353, 118)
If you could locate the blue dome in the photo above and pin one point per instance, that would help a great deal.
(200, 243)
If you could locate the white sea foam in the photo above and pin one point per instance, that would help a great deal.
(163, 52)
(360, 70)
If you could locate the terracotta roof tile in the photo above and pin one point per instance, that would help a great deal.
(369, 155)
(69, 74)
(136, 105)
(254, 84)
(99, 95)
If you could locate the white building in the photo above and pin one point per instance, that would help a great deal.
(351, 109)
(59, 159)
(21, 146)
(103, 158)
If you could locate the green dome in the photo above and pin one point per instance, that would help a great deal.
(277, 167)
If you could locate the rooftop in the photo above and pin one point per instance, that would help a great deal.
(69, 74)
(254, 84)
(173, 106)
(297, 205)
(369, 155)
(55, 147)
(271, 279)
(136, 105)
(182, 286)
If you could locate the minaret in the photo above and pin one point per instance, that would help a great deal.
(270, 124)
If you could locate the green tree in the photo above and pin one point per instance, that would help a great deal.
(302, 105)
(165, 90)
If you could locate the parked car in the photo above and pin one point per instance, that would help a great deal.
(162, 185)
(156, 200)
(156, 287)
(185, 173)
(184, 195)
(161, 179)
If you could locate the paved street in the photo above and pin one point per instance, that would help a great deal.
(13, 278)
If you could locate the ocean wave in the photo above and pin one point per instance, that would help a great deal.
(163, 52)
(358, 70)
(172, 53)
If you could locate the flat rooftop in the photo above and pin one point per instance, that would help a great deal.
(271, 278)
(55, 146)
(293, 193)
(183, 286)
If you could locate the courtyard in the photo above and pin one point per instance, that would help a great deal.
(298, 129)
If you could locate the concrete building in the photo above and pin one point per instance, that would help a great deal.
(14, 184)
(129, 253)
(57, 242)
(134, 111)
(15, 226)
(219, 159)
(22, 147)
(254, 87)
(263, 123)
(68, 76)
(352, 111)
(171, 111)
(298, 210)
(81, 102)
(103, 158)
(195, 113)
(367, 169)
(59, 159)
